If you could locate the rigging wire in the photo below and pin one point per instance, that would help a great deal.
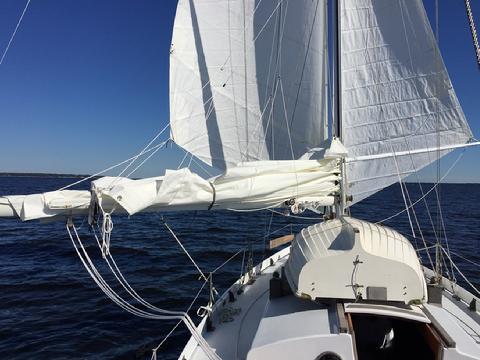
(242, 250)
(461, 273)
(289, 137)
(426, 194)
(109, 168)
(304, 63)
(227, 261)
(14, 32)
(146, 159)
(155, 349)
(184, 250)
(465, 259)
(140, 154)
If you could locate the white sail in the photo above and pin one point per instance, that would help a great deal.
(248, 79)
(396, 93)
(254, 185)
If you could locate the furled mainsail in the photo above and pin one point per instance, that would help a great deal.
(254, 185)
(396, 93)
(248, 79)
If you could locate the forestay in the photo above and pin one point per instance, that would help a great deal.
(248, 79)
(249, 186)
(396, 93)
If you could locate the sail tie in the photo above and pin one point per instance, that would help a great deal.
(107, 227)
(214, 195)
(107, 222)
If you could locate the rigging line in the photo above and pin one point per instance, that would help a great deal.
(242, 267)
(465, 259)
(125, 284)
(267, 233)
(107, 169)
(283, 227)
(247, 27)
(102, 284)
(437, 125)
(199, 164)
(188, 167)
(463, 276)
(409, 201)
(403, 193)
(257, 129)
(304, 63)
(418, 225)
(281, 19)
(139, 154)
(272, 103)
(289, 136)
(90, 267)
(235, 112)
(270, 61)
(426, 248)
(426, 194)
(227, 261)
(418, 178)
(146, 159)
(267, 21)
(154, 350)
(184, 157)
(14, 32)
(184, 250)
(425, 201)
(112, 294)
(442, 224)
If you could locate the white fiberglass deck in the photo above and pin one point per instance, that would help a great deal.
(254, 327)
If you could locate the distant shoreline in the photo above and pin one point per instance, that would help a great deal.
(82, 176)
(42, 175)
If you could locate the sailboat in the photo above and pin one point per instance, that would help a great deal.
(296, 122)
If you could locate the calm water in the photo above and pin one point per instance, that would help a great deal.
(51, 309)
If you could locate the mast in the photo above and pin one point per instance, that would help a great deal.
(438, 247)
(337, 94)
(337, 70)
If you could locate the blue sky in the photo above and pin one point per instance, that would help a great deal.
(85, 83)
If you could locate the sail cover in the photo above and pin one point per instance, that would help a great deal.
(248, 79)
(396, 93)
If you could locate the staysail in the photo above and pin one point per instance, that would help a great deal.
(398, 103)
(248, 79)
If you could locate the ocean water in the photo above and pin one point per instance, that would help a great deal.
(51, 309)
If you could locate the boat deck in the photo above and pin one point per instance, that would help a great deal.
(256, 325)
